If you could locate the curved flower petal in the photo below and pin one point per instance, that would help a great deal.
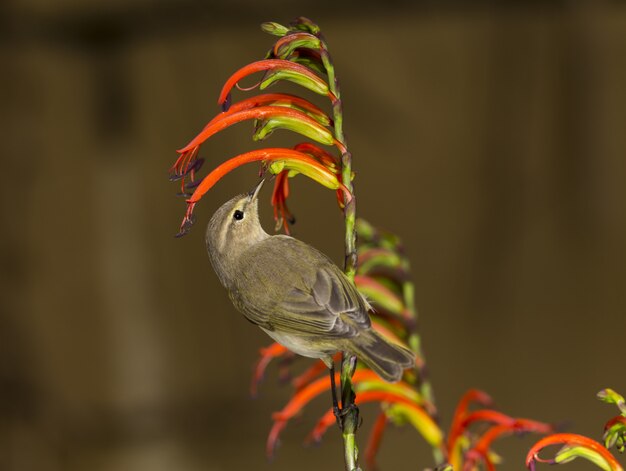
(285, 159)
(312, 373)
(422, 422)
(314, 389)
(288, 118)
(282, 215)
(320, 154)
(328, 418)
(574, 446)
(294, 101)
(375, 438)
(304, 76)
(504, 426)
(275, 350)
(457, 429)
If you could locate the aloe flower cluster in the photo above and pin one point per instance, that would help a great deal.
(377, 266)
(299, 56)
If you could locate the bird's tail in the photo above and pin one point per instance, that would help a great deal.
(388, 360)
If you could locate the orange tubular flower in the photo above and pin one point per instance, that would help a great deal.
(224, 120)
(188, 154)
(271, 65)
(275, 350)
(282, 216)
(318, 153)
(505, 426)
(373, 443)
(363, 397)
(288, 158)
(290, 100)
(311, 373)
(570, 441)
(456, 428)
(302, 397)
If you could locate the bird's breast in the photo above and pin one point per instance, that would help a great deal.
(301, 345)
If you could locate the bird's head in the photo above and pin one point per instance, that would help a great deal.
(233, 229)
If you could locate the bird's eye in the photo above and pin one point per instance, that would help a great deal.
(238, 215)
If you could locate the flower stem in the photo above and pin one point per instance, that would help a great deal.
(350, 412)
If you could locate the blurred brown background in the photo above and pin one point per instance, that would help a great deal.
(491, 139)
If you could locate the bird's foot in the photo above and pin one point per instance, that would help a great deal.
(340, 414)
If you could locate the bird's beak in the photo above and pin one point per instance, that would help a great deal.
(254, 193)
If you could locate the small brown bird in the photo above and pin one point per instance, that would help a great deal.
(296, 294)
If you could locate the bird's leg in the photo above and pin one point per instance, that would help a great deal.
(333, 390)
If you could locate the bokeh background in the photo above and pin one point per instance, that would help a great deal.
(491, 139)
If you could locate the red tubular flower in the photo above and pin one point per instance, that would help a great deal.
(282, 215)
(272, 64)
(313, 389)
(320, 154)
(486, 415)
(375, 438)
(311, 373)
(456, 428)
(363, 397)
(305, 395)
(570, 441)
(481, 450)
(505, 426)
(188, 154)
(275, 350)
(289, 158)
(224, 120)
(291, 100)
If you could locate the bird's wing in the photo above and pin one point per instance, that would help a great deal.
(307, 294)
